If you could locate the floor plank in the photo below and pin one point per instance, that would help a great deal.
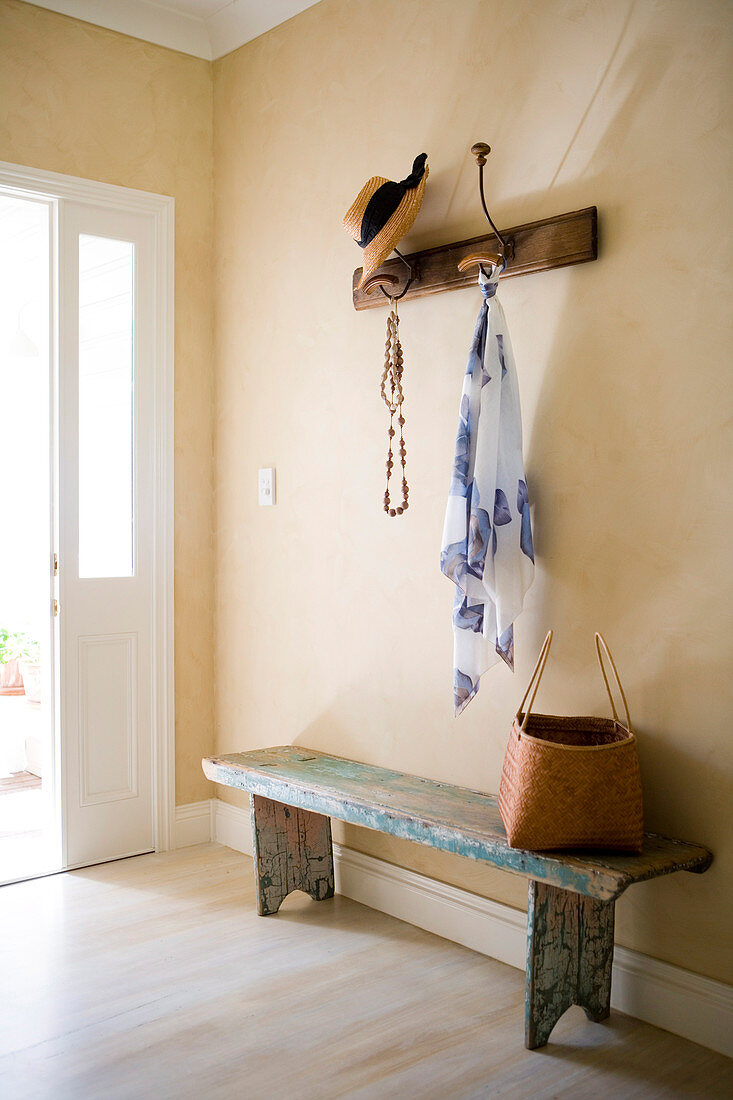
(154, 977)
(19, 781)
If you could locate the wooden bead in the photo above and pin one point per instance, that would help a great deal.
(399, 511)
(392, 512)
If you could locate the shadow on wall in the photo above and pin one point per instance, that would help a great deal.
(602, 414)
(450, 201)
(596, 402)
(613, 410)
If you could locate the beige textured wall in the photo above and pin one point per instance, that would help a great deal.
(89, 102)
(333, 622)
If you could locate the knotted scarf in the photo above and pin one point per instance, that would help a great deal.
(487, 537)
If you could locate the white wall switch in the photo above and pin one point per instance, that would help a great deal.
(266, 486)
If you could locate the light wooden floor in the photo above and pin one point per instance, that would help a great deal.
(153, 977)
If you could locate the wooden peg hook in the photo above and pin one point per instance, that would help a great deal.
(481, 259)
(381, 281)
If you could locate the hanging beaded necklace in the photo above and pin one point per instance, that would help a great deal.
(393, 397)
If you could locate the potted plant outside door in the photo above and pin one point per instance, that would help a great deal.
(11, 650)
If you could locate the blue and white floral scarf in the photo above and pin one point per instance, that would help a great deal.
(487, 538)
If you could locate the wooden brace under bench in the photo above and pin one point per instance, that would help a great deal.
(295, 792)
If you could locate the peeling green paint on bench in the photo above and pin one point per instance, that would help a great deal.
(292, 851)
(454, 819)
(569, 958)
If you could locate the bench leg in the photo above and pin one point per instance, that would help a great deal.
(569, 958)
(292, 851)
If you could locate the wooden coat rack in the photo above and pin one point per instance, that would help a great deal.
(561, 241)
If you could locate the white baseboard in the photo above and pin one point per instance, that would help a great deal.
(677, 1000)
(194, 823)
(697, 1008)
(232, 826)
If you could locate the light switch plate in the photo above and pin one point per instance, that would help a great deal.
(266, 486)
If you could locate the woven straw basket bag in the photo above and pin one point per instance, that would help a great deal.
(571, 782)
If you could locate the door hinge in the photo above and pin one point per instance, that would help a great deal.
(56, 607)
(55, 565)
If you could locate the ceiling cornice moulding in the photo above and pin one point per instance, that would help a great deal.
(208, 36)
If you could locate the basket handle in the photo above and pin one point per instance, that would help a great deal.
(601, 642)
(534, 679)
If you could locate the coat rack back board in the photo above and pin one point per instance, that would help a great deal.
(560, 241)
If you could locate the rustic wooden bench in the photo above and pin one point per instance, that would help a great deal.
(572, 896)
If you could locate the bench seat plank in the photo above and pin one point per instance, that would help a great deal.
(454, 819)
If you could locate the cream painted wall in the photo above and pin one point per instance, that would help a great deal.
(333, 622)
(89, 102)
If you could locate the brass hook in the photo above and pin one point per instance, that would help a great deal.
(481, 151)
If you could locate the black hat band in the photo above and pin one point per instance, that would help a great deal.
(386, 199)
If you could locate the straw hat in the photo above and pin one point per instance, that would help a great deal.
(383, 212)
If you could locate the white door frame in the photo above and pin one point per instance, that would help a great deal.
(55, 186)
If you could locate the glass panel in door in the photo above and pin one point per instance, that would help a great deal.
(106, 342)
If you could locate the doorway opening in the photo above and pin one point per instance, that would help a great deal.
(29, 833)
(86, 522)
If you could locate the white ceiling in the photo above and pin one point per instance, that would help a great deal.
(204, 28)
(201, 9)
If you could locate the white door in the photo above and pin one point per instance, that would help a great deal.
(110, 328)
(106, 529)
